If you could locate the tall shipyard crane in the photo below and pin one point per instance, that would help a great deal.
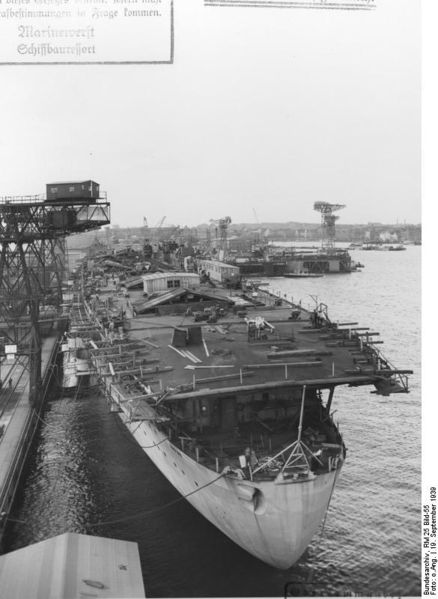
(328, 220)
(156, 229)
(160, 223)
(222, 225)
(33, 230)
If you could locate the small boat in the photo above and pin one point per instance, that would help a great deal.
(302, 275)
(75, 361)
(396, 248)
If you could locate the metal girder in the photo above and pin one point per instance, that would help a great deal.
(328, 222)
(326, 207)
(29, 272)
(32, 265)
(29, 221)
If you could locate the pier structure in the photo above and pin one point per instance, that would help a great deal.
(19, 421)
(32, 241)
(32, 264)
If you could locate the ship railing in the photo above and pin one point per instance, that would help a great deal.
(299, 457)
(296, 460)
(20, 199)
(192, 447)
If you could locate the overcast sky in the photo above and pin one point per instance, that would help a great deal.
(263, 111)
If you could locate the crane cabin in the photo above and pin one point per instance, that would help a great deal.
(82, 191)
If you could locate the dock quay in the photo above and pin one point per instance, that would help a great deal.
(19, 420)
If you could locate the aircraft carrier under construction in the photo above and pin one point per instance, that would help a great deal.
(230, 394)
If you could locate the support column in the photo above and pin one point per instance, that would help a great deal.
(330, 398)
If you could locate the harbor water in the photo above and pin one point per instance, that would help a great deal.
(86, 474)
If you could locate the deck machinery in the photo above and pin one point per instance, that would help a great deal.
(32, 255)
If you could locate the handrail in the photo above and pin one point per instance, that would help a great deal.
(20, 199)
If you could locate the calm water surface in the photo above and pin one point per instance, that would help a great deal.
(87, 474)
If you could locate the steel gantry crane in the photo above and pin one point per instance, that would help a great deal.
(328, 220)
(32, 259)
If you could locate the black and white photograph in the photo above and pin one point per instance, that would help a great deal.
(211, 300)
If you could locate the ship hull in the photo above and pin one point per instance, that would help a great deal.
(273, 522)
